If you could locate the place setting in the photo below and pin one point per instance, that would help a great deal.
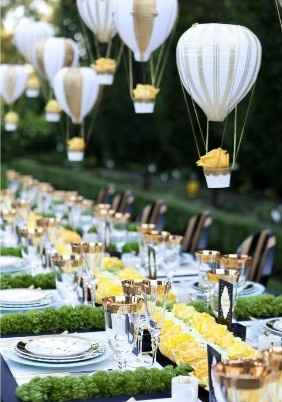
(16, 300)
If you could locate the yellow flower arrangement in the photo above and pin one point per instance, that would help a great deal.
(76, 144)
(214, 333)
(11, 118)
(215, 159)
(105, 65)
(112, 264)
(145, 93)
(129, 273)
(33, 82)
(53, 107)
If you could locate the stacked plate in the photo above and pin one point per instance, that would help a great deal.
(249, 289)
(55, 351)
(24, 299)
(10, 264)
(274, 326)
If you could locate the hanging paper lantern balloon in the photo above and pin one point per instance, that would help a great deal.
(144, 25)
(218, 65)
(12, 85)
(53, 111)
(28, 33)
(52, 54)
(98, 16)
(76, 90)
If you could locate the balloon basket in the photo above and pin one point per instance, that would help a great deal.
(32, 93)
(218, 178)
(105, 79)
(11, 127)
(144, 107)
(75, 156)
(53, 117)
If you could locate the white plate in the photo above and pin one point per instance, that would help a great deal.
(7, 261)
(58, 345)
(21, 297)
(11, 355)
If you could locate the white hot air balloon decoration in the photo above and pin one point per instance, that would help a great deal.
(28, 33)
(12, 85)
(98, 17)
(76, 90)
(218, 65)
(144, 26)
(50, 56)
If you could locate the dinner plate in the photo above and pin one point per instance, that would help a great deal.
(10, 264)
(58, 345)
(22, 296)
(97, 350)
(12, 355)
(275, 326)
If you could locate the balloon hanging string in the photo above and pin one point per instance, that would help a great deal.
(191, 120)
(85, 35)
(120, 53)
(130, 73)
(224, 131)
(97, 47)
(235, 137)
(94, 114)
(245, 122)
(126, 68)
(278, 12)
(109, 48)
(207, 136)
(164, 58)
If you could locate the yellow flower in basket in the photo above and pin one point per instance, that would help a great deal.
(105, 65)
(112, 264)
(12, 118)
(215, 159)
(53, 107)
(145, 93)
(76, 144)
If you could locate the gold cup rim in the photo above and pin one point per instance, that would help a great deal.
(244, 374)
(208, 256)
(236, 261)
(123, 304)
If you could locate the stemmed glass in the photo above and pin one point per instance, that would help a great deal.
(155, 295)
(121, 319)
(230, 269)
(66, 276)
(172, 256)
(208, 261)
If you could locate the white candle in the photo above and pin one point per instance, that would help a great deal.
(184, 389)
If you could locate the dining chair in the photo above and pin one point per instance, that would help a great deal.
(123, 202)
(105, 195)
(197, 232)
(155, 214)
(261, 247)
